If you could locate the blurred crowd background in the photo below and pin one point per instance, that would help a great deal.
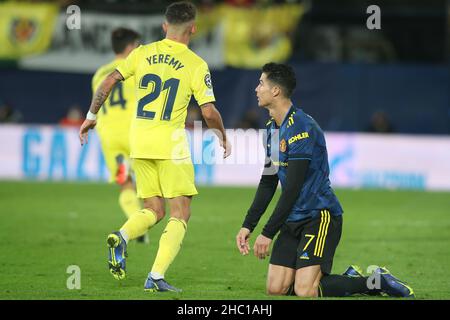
(392, 80)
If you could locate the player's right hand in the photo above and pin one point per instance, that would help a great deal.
(226, 148)
(242, 241)
(83, 134)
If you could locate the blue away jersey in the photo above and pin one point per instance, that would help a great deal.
(300, 137)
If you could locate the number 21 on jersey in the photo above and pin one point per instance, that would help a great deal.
(157, 86)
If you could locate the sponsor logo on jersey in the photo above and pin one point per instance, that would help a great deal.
(299, 136)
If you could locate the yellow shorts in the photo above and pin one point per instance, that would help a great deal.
(112, 147)
(164, 178)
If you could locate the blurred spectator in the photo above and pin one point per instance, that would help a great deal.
(251, 120)
(380, 123)
(363, 45)
(323, 43)
(8, 114)
(73, 118)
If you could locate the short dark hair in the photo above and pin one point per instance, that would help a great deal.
(122, 37)
(282, 75)
(180, 12)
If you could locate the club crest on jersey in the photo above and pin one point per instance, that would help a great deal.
(283, 145)
(208, 80)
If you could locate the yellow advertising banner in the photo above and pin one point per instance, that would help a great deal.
(25, 28)
(255, 36)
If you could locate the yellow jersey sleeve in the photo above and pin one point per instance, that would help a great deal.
(202, 85)
(128, 67)
(114, 117)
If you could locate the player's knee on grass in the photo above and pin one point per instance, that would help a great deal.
(278, 284)
(306, 290)
(279, 280)
(276, 289)
(307, 281)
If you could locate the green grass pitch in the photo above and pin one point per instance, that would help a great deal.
(46, 227)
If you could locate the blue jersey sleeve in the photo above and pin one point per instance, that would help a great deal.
(300, 142)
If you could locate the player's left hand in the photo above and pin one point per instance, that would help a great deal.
(261, 247)
(83, 134)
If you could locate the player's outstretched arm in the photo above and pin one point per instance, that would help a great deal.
(295, 178)
(97, 101)
(264, 194)
(214, 121)
(296, 174)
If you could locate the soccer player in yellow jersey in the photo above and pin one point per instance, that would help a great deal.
(166, 74)
(113, 123)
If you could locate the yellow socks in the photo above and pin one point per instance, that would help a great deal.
(138, 224)
(129, 202)
(169, 245)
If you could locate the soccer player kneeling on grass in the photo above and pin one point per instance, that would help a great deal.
(308, 215)
(166, 74)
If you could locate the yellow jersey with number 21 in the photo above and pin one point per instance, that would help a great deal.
(166, 74)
